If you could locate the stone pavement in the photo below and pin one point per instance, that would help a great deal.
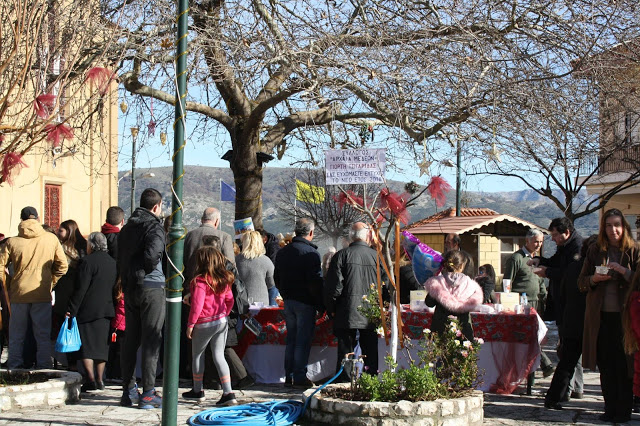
(101, 408)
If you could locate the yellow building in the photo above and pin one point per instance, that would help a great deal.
(76, 181)
(489, 237)
(617, 163)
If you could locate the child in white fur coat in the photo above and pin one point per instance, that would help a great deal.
(453, 293)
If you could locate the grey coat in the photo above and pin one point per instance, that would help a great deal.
(193, 241)
(257, 276)
(350, 275)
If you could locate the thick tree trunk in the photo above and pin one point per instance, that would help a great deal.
(247, 175)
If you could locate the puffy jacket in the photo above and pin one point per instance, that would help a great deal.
(140, 247)
(298, 272)
(38, 263)
(351, 273)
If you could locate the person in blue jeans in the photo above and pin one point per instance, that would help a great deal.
(141, 244)
(298, 277)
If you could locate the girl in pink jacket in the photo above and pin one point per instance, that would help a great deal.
(453, 293)
(211, 302)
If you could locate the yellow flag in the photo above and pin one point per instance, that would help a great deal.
(309, 193)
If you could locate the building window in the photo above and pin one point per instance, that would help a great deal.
(627, 128)
(52, 204)
(509, 245)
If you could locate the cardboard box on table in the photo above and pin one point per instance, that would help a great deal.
(508, 300)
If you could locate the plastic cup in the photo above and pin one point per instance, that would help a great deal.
(506, 286)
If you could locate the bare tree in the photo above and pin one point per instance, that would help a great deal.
(55, 79)
(571, 132)
(265, 76)
(332, 217)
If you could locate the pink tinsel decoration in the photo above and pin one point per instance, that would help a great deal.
(43, 104)
(438, 189)
(151, 127)
(56, 133)
(11, 165)
(101, 77)
(348, 198)
(395, 203)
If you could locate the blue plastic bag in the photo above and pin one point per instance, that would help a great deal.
(69, 337)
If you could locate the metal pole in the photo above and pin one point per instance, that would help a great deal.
(458, 176)
(173, 289)
(134, 136)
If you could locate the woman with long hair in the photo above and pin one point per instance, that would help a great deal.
(606, 288)
(211, 303)
(255, 269)
(75, 248)
(92, 304)
(487, 279)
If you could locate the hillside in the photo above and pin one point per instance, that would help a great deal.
(202, 189)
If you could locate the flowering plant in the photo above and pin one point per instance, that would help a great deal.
(454, 358)
(370, 308)
(446, 368)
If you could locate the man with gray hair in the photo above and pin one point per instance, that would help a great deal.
(524, 281)
(298, 276)
(193, 241)
(351, 274)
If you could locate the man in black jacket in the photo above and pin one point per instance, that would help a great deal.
(351, 274)
(141, 243)
(111, 229)
(569, 243)
(298, 277)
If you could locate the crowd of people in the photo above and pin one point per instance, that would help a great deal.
(112, 283)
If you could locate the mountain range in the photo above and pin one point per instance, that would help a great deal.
(201, 189)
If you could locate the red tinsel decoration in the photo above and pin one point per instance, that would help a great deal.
(348, 198)
(101, 77)
(56, 133)
(395, 203)
(11, 165)
(43, 103)
(438, 189)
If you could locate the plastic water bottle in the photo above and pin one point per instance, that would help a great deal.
(523, 300)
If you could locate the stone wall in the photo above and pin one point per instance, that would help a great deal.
(446, 412)
(62, 388)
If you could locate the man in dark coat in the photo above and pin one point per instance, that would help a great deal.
(298, 277)
(141, 244)
(351, 273)
(569, 243)
(111, 229)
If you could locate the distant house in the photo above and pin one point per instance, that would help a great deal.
(488, 236)
(617, 162)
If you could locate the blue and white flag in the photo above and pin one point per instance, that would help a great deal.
(227, 192)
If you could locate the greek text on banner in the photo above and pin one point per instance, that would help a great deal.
(354, 166)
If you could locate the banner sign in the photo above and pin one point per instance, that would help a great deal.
(354, 166)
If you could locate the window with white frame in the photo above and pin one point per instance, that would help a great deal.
(508, 246)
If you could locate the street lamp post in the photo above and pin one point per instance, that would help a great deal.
(134, 136)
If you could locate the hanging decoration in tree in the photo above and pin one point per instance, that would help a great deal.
(438, 189)
(151, 127)
(56, 133)
(494, 153)
(11, 165)
(424, 164)
(44, 104)
(394, 203)
(101, 77)
(366, 133)
(348, 197)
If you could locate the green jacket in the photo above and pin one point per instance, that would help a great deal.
(523, 280)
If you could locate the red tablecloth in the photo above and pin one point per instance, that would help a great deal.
(509, 355)
(503, 327)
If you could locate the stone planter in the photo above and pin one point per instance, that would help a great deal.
(63, 387)
(460, 411)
